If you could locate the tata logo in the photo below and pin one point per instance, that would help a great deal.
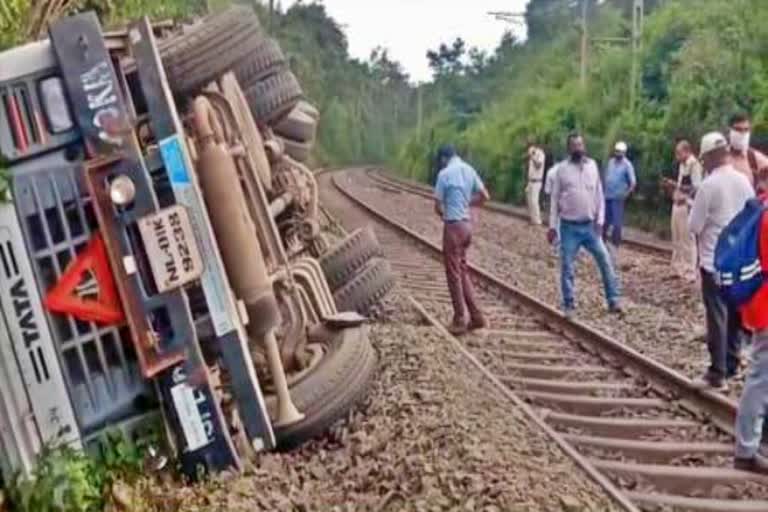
(25, 317)
(101, 94)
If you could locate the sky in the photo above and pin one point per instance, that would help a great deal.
(408, 28)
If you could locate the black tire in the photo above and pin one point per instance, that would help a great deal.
(328, 392)
(298, 151)
(346, 258)
(309, 109)
(297, 126)
(367, 288)
(273, 98)
(266, 60)
(208, 50)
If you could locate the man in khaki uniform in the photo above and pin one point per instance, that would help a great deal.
(689, 176)
(535, 177)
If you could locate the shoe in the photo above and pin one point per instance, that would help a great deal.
(569, 313)
(756, 464)
(616, 309)
(457, 329)
(707, 382)
(476, 325)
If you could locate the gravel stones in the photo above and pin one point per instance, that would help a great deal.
(664, 315)
(433, 435)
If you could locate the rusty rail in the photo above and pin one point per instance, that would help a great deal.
(669, 390)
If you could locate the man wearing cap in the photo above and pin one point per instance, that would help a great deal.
(536, 160)
(620, 181)
(578, 205)
(458, 187)
(720, 198)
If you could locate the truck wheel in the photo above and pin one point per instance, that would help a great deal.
(266, 60)
(299, 151)
(297, 126)
(309, 109)
(271, 99)
(344, 259)
(327, 392)
(208, 50)
(367, 288)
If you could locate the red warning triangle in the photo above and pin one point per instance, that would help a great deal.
(86, 290)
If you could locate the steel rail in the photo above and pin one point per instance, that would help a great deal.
(412, 187)
(675, 387)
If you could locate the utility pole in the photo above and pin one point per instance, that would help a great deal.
(271, 16)
(419, 109)
(514, 18)
(584, 43)
(638, 14)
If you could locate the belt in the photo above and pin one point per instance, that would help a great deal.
(576, 222)
(455, 221)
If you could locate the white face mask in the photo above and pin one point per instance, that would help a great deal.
(739, 140)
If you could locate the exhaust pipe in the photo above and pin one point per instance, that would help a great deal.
(240, 248)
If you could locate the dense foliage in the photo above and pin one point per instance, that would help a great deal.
(700, 61)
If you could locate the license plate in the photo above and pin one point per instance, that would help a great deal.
(171, 248)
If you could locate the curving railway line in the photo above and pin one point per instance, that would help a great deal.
(638, 428)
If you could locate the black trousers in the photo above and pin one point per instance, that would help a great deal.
(724, 332)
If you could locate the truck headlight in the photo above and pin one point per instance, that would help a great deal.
(55, 105)
(122, 190)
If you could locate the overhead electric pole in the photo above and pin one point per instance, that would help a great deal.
(638, 14)
(515, 18)
(584, 43)
(271, 16)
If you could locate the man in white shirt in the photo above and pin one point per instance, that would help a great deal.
(534, 178)
(720, 198)
(578, 205)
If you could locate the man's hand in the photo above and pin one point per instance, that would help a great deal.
(480, 198)
(551, 235)
(439, 209)
(599, 229)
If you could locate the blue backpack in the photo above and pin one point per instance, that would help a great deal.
(737, 255)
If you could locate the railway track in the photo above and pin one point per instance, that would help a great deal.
(639, 429)
(655, 247)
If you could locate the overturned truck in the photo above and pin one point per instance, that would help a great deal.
(161, 254)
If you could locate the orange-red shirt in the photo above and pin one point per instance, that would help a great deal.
(754, 315)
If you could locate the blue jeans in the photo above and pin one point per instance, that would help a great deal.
(753, 406)
(574, 236)
(614, 220)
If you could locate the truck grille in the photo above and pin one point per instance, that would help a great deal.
(34, 404)
(99, 363)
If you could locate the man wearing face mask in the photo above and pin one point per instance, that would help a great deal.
(745, 159)
(579, 206)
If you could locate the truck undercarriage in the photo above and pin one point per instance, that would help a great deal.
(163, 250)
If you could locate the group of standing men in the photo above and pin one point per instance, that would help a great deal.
(707, 194)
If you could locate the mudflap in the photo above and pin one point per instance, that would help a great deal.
(194, 414)
(161, 325)
(231, 339)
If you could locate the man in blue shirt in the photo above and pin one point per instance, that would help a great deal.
(458, 187)
(620, 182)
